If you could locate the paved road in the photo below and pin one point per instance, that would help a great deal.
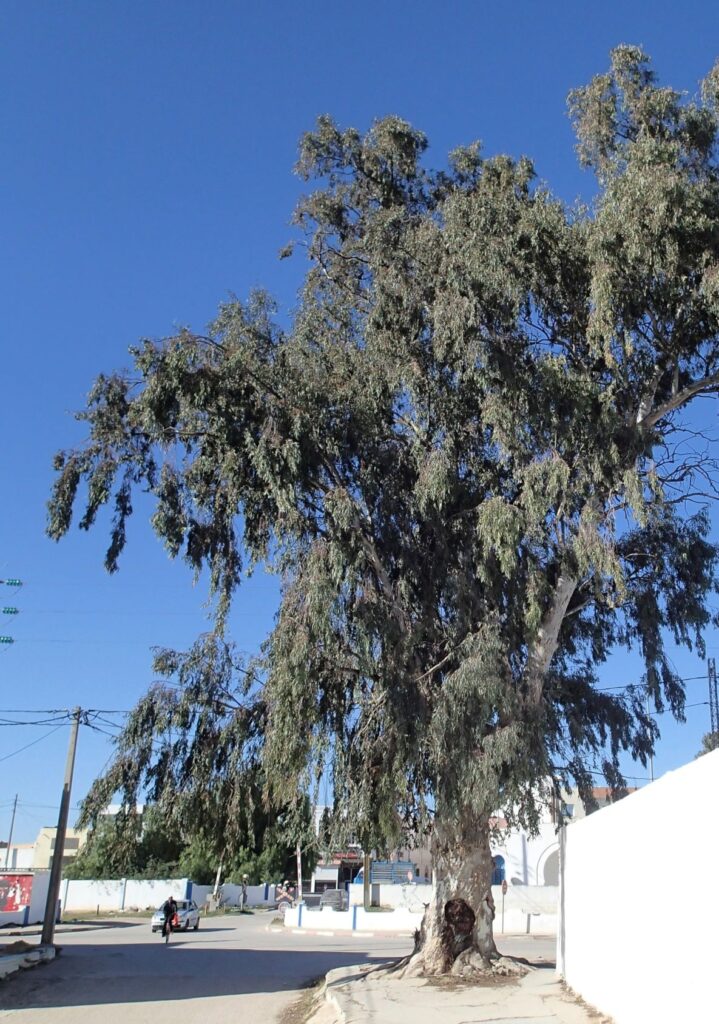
(231, 970)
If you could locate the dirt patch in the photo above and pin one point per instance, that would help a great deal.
(489, 980)
(17, 947)
(306, 1006)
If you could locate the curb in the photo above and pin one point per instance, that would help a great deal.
(21, 961)
(357, 933)
(342, 934)
(334, 981)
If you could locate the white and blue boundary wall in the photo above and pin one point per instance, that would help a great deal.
(524, 909)
(353, 920)
(126, 894)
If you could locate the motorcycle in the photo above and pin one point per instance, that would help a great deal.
(285, 899)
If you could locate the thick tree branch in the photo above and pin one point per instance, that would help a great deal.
(545, 644)
(704, 386)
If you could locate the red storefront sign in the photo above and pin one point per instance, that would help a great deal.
(15, 891)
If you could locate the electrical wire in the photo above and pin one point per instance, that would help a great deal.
(665, 711)
(96, 728)
(34, 711)
(6, 757)
(45, 807)
(641, 686)
(40, 721)
(106, 721)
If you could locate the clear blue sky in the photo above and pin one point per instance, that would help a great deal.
(147, 155)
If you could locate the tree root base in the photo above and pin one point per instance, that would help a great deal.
(470, 965)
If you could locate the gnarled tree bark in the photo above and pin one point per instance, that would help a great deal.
(456, 935)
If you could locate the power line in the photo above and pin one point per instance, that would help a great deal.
(40, 721)
(42, 807)
(106, 721)
(34, 711)
(106, 711)
(32, 744)
(57, 711)
(591, 771)
(96, 728)
(641, 686)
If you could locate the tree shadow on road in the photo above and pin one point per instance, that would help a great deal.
(110, 974)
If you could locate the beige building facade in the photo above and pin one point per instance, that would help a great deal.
(38, 856)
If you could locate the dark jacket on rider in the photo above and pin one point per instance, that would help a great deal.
(169, 909)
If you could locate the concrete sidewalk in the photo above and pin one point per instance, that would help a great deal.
(357, 995)
(12, 960)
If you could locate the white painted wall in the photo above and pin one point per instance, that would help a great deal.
(525, 908)
(201, 892)
(146, 894)
(143, 894)
(79, 894)
(119, 894)
(629, 942)
(355, 919)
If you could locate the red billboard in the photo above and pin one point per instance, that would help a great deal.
(15, 891)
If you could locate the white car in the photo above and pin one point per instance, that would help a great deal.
(187, 913)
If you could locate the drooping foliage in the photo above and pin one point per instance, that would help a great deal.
(465, 456)
(150, 845)
(193, 747)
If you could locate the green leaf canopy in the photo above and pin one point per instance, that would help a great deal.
(465, 457)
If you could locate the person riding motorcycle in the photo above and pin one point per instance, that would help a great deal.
(169, 909)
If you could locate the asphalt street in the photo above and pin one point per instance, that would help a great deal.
(232, 969)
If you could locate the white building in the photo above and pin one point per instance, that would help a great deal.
(520, 858)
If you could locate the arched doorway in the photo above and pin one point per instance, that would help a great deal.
(498, 871)
(551, 869)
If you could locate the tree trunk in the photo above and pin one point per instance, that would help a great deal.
(456, 934)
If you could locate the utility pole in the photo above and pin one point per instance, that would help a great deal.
(651, 752)
(53, 891)
(12, 826)
(218, 876)
(713, 696)
(366, 891)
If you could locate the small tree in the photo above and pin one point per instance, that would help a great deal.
(466, 460)
(709, 742)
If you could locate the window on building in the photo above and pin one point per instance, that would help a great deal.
(498, 872)
(70, 844)
(567, 810)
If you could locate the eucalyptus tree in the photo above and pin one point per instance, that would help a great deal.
(466, 459)
(710, 741)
